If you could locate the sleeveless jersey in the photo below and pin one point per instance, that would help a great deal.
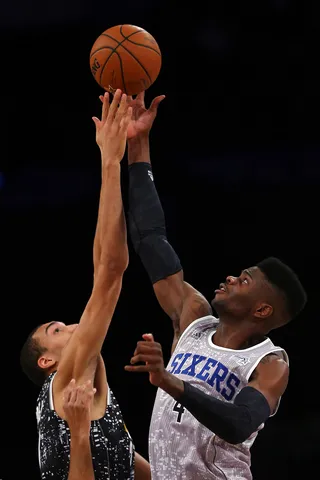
(180, 448)
(111, 444)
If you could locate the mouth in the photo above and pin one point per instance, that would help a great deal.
(222, 288)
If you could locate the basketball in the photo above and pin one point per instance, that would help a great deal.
(125, 57)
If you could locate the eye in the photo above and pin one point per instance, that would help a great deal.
(56, 330)
(245, 280)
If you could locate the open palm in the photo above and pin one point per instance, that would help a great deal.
(142, 118)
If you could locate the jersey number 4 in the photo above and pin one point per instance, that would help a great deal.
(180, 410)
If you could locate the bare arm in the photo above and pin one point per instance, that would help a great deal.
(179, 300)
(77, 404)
(271, 379)
(80, 459)
(182, 302)
(86, 342)
(141, 468)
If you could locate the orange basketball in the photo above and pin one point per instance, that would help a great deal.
(125, 57)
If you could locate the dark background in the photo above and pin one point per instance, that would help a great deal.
(235, 152)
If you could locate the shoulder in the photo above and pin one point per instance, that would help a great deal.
(196, 305)
(271, 369)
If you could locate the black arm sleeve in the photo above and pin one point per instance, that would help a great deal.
(146, 224)
(233, 422)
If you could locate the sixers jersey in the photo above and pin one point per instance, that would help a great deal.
(180, 448)
(111, 445)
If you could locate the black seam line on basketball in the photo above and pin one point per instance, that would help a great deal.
(138, 61)
(145, 46)
(103, 66)
(102, 48)
(139, 44)
(121, 68)
(119, 43)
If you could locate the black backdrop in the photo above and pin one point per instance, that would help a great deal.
(235, 152)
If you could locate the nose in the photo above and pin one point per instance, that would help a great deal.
(72, 327)
(231, 280)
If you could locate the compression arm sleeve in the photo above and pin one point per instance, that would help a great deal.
(146, 224)
(232, 422)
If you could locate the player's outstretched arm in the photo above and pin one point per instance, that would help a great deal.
(233, 422)
(81, 353)
(146, 223)
(77, 402)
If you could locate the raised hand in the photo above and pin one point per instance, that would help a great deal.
(150, 352)
(142, 118)
(111, 130)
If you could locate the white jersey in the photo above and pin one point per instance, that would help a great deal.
(181, 448)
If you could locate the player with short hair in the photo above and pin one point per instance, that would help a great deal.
(225, 377)
(54, 353)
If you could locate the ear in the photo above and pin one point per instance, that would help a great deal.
(264, 310)
(46, 361)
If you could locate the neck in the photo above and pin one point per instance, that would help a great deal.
(236, 335)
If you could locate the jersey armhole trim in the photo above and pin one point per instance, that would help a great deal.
(193, 325)
(51, 405)
(258, 360)
(284, 357)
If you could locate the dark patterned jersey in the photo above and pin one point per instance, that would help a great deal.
(111, 444)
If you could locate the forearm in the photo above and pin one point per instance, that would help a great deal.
(112, 226)
(139, 150)
(80, 459)
(146, 220)
(97, 237)
(233, 422)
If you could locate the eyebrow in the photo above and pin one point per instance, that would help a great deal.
(48, 326)
(247, 272)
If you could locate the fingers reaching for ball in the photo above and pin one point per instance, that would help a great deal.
(111, 130)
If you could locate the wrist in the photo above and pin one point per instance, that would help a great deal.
(109, 164)
(109, 157)
(172, 385)
(80, 438)
(138, 149)
(139, 140)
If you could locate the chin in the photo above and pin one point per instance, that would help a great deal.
(215, 303)
(218, 299)
(219, 304)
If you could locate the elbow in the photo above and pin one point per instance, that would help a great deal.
(114, 266)
(234, 436)
(108, 275)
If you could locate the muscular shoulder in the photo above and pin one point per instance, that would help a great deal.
(271, 379)
(271, 369)
(195, 306)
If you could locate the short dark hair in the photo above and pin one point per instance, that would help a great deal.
(29, 355)
(286, 280)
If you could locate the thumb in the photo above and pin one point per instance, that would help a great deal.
(155, 103)
(96, 121)
(148, 337)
